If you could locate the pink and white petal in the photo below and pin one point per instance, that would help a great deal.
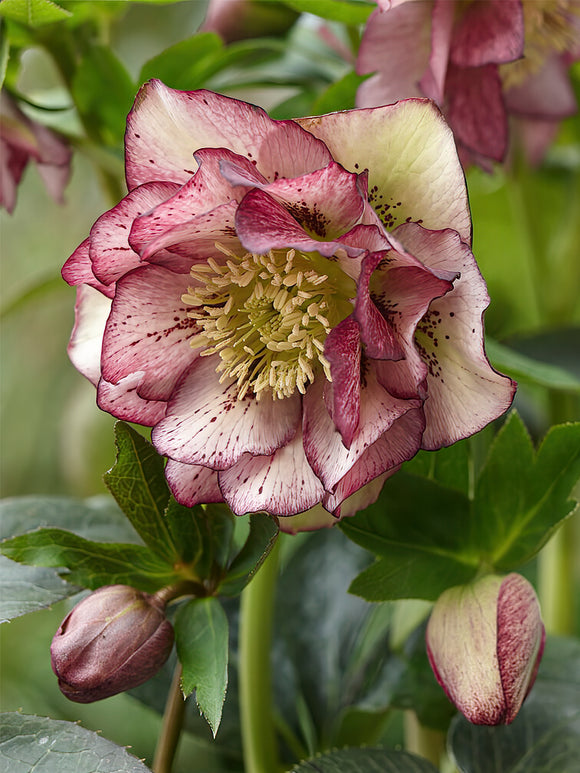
(262, 224)
(166, 127)
(122, 400)
(410, 153)
(342, 349)
(442, 20)
(546, 94)
(476, 112)
(489, 32)
(192, 484)
(323, 444)
(110, 253)
(396, 46)
(316, 517)
(207, 424)
(281, 484)
(360, 499)
(384, 457)
(78, 270)
(92, 309)
(148, 331)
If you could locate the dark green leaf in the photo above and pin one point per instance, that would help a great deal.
(544, 737)
(260, 541)
(91, 564)
(137, 482)
(178, 66)
(451, 467)
(30, 743)
(340, 95)
(34, 13)
(345, 11)
(366, 760)
(29, 588)
(201, 635)
(528, 370)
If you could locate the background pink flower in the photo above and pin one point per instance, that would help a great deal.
(293, 306)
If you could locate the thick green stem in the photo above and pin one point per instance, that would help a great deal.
(555, 581)
(422, 740)
(171, 727)
(255, 670)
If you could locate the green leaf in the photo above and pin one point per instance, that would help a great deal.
(417, 529)
(451, 467)
(201, 635)
(263, 533)
(544, 737)
(340, 95)
(137, 481)
(34, 13)
(345, 11)
(366, 760)
(27, 589)
(38, 743)
(528, 370)
(178, 66)
(91, 564)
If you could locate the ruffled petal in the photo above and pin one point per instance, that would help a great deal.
(166, 127)
(148, 331)
(409, 150)
(192, 484)
(490, 32)
(91, 311)
(359, 500)
(78, 270)
(281, 484)
(206, 424)
(122, 400)
(342, 349)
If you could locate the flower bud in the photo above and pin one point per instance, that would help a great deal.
(115, 639)
(485, 641)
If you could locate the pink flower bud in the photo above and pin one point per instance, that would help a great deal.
(485, 642)
(115, 639)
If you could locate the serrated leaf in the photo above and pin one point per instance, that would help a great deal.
(544, 737)
(345, 11)
(201, 636)
(531, 371)
(34, 13)
(261, 539)
(367, 760)
(38, 743)
(91, 564)
(137, 481)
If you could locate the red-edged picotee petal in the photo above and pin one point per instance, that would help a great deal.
(206, 423)
(359, 500)
(192, 484)
(148, 330)
(282, 484)
(342, 349)
(489, 32)
(122, 400)
(409, 150)
(78, 270)
(476, 111)
(109, 250)
(465, 393)
(166, 127)
(324, 448)
(547, 93)
(262, 224)
(91, 311)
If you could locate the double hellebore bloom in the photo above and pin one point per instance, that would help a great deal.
(293, 306)
(113, 640)
(485, 642)
(481, 61)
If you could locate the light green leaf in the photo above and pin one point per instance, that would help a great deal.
(528, 370)
(178, 66)
(34, 13)
(345, 11)
(263, 533)
(340, 95)
(367, 760)
(201, 635)
(30, 743)
(29, 588)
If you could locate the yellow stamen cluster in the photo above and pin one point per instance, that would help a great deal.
(267, 316)
(548, 29)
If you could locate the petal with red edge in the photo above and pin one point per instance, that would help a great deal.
(490, 32)
(282, 484)
(78, 270)
(91, 311)
(192, 484)
(342, 349)
(360, 499)
(148, 330)
(122, 400)
(206, 423)
(166, 127)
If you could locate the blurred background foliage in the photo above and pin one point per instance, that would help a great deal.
(53, 440)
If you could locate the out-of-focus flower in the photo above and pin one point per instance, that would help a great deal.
(21, 140)
(485, 642)
(113, 640)
(481, 61)
(239, 19)
(292, 305)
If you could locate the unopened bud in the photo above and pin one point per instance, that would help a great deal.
(485, 641)
(115, 639)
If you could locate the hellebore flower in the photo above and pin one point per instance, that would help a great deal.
(480, 60)
(291, 305)
(485, 642)
(113, 640)
(21, 140)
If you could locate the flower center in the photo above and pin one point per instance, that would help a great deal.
(548, 29)
(267, 316)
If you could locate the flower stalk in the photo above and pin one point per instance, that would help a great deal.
(171, 726)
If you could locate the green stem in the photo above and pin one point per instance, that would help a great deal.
(555, 581)
(171, 727)
(422, 740)
(255, 672)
